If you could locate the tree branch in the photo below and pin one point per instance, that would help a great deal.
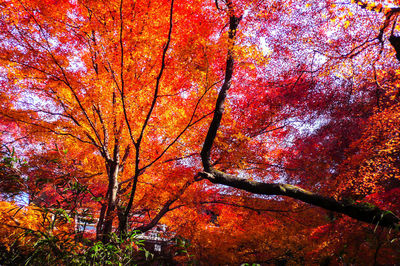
(166, 208)
(359, 211)
(219, 107)
(138, 171)
(362, 212)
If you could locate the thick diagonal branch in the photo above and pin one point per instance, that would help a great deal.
(219, 107)
(361, 212)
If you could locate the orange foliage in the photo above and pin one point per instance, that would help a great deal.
(23, 227)
(107, 104)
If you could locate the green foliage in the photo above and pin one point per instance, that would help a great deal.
(48, 251)
(182, 245)
(118, 251)
(11, 181)
(52, 241)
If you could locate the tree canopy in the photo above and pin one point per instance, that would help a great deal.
(258, 131)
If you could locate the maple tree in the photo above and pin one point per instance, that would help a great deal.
(124, 108)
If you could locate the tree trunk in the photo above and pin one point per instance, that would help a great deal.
(112, 201)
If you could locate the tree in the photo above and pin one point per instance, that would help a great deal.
(79, 63)
(360, 212)
(117, 96)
